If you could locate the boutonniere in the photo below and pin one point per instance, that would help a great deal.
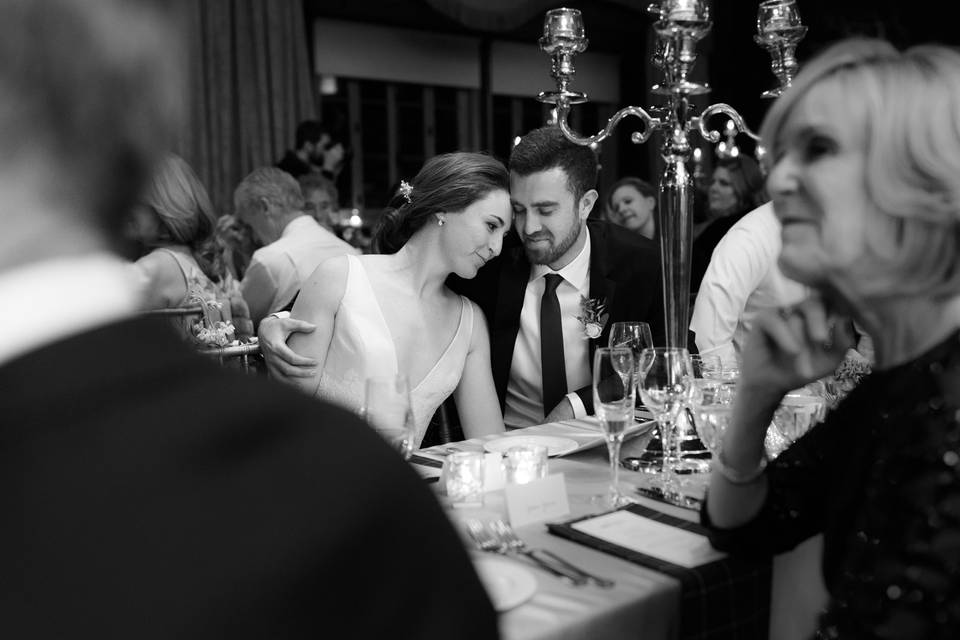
(593, 316)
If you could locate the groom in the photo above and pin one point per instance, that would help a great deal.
(542, 347)
(559, 284)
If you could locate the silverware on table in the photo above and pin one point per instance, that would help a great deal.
(509, 537)
(486, 539)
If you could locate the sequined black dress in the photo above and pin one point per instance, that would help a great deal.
(881, 480)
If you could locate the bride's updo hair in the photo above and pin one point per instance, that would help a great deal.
(447, 183)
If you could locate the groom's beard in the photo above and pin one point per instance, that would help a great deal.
(552, 251)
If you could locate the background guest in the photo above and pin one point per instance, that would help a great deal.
(334, 157)
(236, 245)
(185, 267)
(866, 185)
(742, 280)
(320, 198)
(145, 491)
(392, 314)
(633, 204)
(736, 187)
(293, 244)
(310, 144)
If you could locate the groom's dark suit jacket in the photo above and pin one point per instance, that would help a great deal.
(146, 493)
(624, 271)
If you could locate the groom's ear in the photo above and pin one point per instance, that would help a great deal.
(587, 201)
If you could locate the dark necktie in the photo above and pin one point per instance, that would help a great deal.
(551, 345)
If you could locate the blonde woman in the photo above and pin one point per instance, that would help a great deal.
(865, 181)
(183, 268)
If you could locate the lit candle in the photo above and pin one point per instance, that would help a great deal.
(525, 464)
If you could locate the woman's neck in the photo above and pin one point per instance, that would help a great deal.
(905, 328)
(420, 267)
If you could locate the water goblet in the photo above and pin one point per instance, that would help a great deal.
(614, 396)
(665, 381)
(386, 408)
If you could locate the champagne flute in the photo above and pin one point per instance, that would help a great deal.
(665, 382)
(614, 395)
(636, 336)
(386, 408)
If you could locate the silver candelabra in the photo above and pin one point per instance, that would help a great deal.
(679, 26)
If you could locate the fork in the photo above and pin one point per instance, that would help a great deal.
(486, 539)
(509, 537)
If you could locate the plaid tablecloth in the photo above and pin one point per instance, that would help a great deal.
(725, 599)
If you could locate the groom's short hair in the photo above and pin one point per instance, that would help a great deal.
(547, 148)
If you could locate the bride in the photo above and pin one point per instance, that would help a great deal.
(389, 314)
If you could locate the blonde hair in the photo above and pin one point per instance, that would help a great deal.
(908, 106)
(178, 198)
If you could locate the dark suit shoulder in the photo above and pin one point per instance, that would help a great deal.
(624, 249)
(185, 483)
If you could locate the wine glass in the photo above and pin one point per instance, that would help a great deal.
(636, 336)
(386, 408)
(711, 404)
(706, 365)
(614, 395)
(665, 381)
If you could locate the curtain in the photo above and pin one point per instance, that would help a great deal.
(250, 85)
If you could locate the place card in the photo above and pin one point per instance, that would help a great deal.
(655, 539)
(536, 501)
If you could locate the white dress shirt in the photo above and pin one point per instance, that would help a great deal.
(742, 280)
(277, 270)
(524, 401)
(54, 299)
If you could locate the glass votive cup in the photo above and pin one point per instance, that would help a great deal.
(525, 464)
(464, 478)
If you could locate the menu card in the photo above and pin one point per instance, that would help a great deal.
(655, 539)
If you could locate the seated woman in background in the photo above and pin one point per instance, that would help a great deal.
(866, 185)
(392, 314)
(175, 219)
(736, 188)
(633, 204)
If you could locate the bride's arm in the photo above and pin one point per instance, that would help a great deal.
(317, 303)
(476, 396)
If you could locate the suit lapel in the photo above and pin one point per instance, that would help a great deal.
(506, 324)
(601, 286)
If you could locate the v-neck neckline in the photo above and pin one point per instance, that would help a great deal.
(393, 343)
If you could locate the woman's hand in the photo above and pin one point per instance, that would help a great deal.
(792, 346)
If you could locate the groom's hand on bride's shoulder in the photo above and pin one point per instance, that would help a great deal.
(272, 335)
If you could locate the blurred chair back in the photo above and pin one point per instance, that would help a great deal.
(175, 312)
(246, 357)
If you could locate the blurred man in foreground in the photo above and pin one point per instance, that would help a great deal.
(146, 493)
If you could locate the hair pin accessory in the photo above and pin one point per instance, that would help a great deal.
(407, 190)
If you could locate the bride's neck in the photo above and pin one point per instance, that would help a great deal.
(420, 267)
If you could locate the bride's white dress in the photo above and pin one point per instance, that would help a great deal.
(362, 347)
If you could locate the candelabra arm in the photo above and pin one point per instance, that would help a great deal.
(712, 135)
(638, 137)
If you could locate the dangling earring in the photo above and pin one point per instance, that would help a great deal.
(440, 221)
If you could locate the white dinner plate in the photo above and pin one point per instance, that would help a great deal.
(507, 583)
(555, 446)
